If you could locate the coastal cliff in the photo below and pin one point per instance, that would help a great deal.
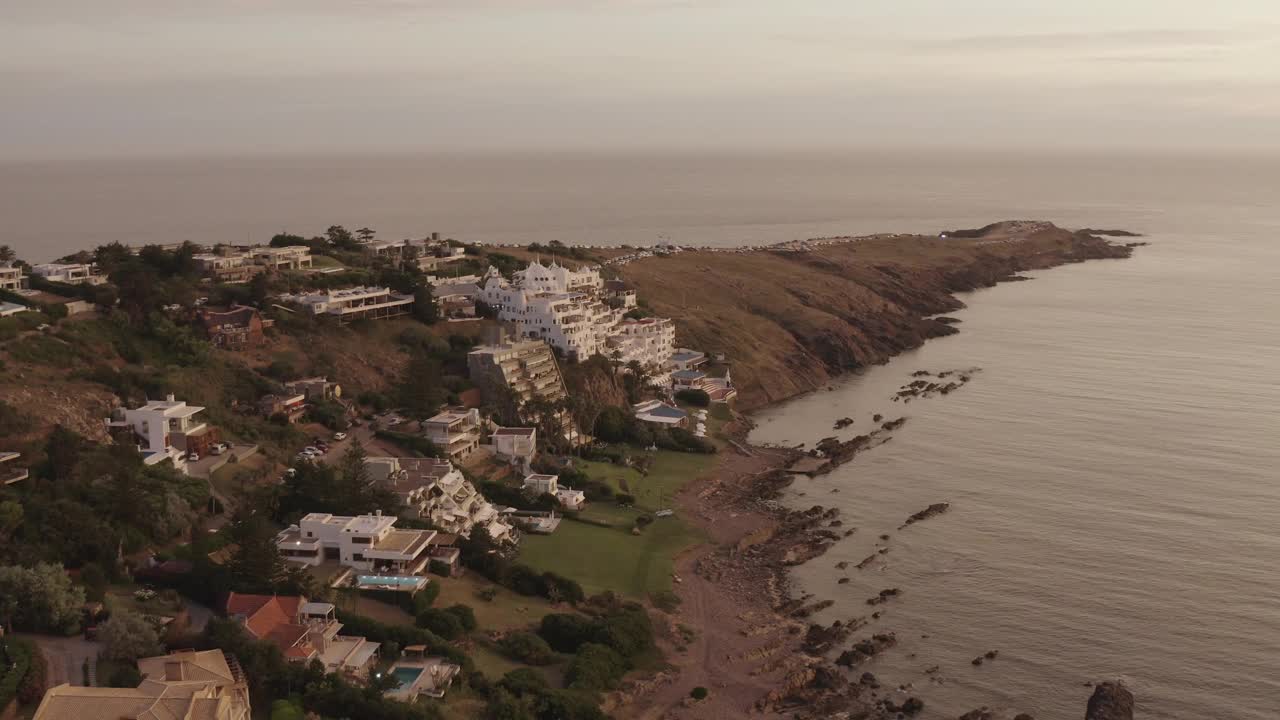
(791, 319)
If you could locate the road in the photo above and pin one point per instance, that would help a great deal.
(66, 656)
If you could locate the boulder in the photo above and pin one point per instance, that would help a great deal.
(1110, 701)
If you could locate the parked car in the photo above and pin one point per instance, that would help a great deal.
(193, 456)
(311, 450)
(339, 436)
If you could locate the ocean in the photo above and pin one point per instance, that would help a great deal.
(1112, 469)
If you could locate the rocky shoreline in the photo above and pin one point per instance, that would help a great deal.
(740, 632)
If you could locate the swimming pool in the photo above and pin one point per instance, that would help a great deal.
(407, 676)
(383, 580)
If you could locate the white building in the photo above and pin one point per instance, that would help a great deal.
(291, 257)
(366, 543)
(8, 308)
(550, 485)
(353, 303)
(659, 413)
(515, 445)
(650, 342)
(74, 274)
(165, 429)
(526, 372)
(11, 278)
(435, 490)
(456, 431)
(572, 310)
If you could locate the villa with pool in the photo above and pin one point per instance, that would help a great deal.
(370, 547)
(420, 674)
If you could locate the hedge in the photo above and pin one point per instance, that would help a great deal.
(19, 652)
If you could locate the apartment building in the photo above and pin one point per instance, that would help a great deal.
(455, 431)
(522, 372)
(70, 273)
(304, 631)
(648, 341)
(357, 303)
(183, 685)
(317, 389)
(164, 430)
(435, 490)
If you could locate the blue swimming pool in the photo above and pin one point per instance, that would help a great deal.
(373, 580)
(406, 675)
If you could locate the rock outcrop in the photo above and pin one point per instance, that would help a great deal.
(1110, 701)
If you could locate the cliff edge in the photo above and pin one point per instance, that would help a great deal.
(791, 318)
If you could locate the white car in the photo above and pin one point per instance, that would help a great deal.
(193, 456)
(395, 421)
(310, 450)
(339, 436)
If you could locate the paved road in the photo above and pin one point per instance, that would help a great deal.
(66, 656)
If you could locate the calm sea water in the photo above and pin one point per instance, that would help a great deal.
(1114, 475)
(1112, 470)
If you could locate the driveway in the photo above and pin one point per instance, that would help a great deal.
(66, 656)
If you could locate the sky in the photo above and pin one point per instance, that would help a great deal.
(194, 77)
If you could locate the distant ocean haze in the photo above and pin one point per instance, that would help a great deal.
(56, 208)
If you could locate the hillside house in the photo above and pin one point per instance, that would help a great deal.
(70, 273)
(550, 485)
(366, 543)
(184, 685)
(291, 407)
(656, 412)
(517, 446)
(8, 309)
(316, 389)
(234, 267)
(12, 278)
(455, 431)
(164, 429)
(435, 490)
(304, 631)
(357, 303)
(235, 328)
(292, 257)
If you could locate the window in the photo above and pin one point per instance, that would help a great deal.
(357, 540)
(357, 557)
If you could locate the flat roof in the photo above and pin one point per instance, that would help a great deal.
(515, 431)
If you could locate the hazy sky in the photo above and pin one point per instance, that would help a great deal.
(125, 77)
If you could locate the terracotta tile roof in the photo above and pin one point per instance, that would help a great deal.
(264, 613)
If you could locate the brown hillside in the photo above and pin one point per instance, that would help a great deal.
(790, 320)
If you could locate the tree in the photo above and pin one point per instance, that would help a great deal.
(466, 616)
(94, 581)
(611, 424)
(128, 636)
(421, 391)
(527, 648)
(565, 632)
(424, 305)
(10, 519)
(441, 622)
(364, 234)
(39, 599)
(341, 238)
(7, 255)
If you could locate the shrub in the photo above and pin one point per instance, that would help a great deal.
(466, 616)
(595, 667)
(522, 682)
(124, 676)
(439, 567)
(20, 654)
(665, 601)
(36, 681)
(698, 693)
(441, 622)
(624, 499)
(527, 648)
(565, 632)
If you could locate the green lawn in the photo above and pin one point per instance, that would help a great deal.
(669, 472)
(324, 261)
(507, 610)
(611, 558)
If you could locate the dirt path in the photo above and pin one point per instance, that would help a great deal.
(740, 647)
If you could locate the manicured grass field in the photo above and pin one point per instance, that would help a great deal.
(611, 558)
(669, 472)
